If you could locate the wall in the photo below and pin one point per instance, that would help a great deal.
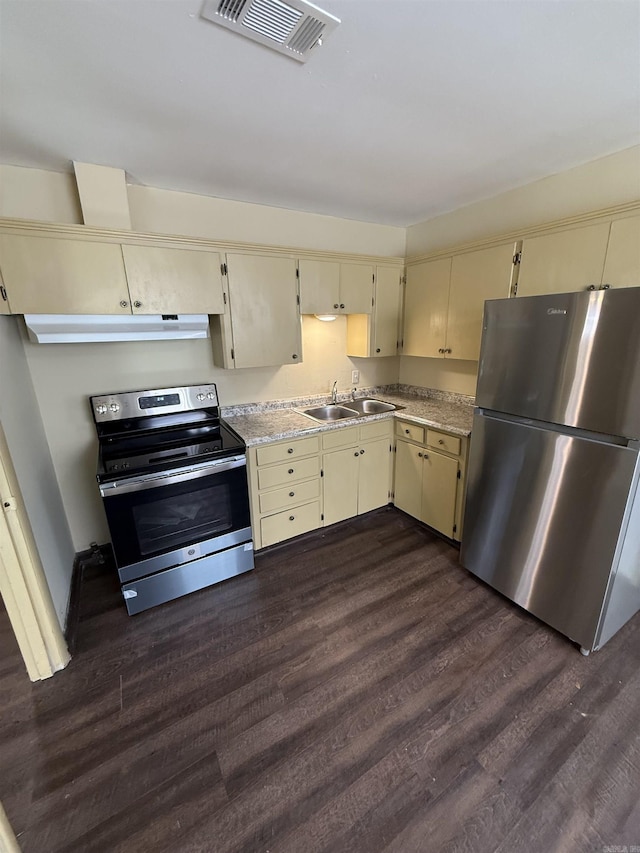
(31, 458)
(65, 375)
(602, 183)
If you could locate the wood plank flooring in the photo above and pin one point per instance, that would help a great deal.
(358, 691)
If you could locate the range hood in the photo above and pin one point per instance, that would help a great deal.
(92, 328)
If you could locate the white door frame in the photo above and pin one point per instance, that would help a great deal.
(8, 841)
(23, 584)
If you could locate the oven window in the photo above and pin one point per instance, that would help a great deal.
(172, 522)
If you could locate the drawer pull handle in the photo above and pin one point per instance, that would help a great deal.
(441, 441)
(408, 431)
(290, 470)
(292, 494)
(292, 518)
(290, 450)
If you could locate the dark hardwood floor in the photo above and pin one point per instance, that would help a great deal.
(358, 691)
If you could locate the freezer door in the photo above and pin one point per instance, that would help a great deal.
(570, 358)
(543, 516)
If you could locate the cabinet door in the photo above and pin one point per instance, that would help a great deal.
(374, 475)
(622, 264)
(340, 484)
(356, 288)
(4, 304)
(173, 281)
(563, 262)
(51, 276)
(426, 302)
(371, 335)
(475, 276)
(408, 480)
(439, 488)
(265, 320)
(319, 287)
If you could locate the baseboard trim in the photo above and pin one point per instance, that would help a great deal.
(95, 555)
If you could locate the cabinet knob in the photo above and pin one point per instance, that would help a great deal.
(361, 452)
(449, 350)
(408, 431)
(123, 303)
(137, 304)
(426, 455)
(292, 518)
(290, 450)
(420, 455)
(294, 356)
(356, 453)
(292, 494)
(342, 304)
(291, 470)
(378, 349)
(335, 305)
(441, 441)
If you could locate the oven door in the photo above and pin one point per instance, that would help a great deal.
(162, 520)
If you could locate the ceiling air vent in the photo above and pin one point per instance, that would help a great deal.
(293, 28)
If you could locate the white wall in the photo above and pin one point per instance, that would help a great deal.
(31, 458)
(65, 375)
(602, 183)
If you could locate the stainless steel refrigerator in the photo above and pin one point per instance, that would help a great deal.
(552, 514)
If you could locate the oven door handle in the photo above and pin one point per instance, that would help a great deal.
(155, 481)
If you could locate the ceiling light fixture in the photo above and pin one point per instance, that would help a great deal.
(293, 28)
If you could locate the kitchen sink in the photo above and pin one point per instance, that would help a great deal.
(371, 407)
(330, 413)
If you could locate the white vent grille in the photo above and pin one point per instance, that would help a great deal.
(294, 28)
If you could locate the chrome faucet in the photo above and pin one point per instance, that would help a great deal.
(334, 393)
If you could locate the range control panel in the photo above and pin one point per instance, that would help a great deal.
(159, 401)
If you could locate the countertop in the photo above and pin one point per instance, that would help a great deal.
(273, 424)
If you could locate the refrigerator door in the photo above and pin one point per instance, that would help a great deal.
(543, 517)
(570, 358)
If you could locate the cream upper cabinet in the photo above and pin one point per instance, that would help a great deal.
(475, 276)
(262, 327)
(622, 263)
(563, 261)
(376, 334)
(426, 302)
(44, 275)
(329, 287)
(173, 281)
(4, 299)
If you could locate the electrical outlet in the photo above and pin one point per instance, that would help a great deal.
(355, 376)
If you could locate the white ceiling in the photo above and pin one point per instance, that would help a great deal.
(410, 108)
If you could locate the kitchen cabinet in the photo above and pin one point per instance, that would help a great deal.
(330, 287)
(622, 261)
(4, 301)
(444, 301)
(173, 281)
(284, 488)
(262, 326)
(44, 275)
(377, 334)
(429, 477)
(563, 261)
(356, 466)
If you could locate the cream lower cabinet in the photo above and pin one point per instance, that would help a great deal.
(356, 466)
(376, 335)
(284, 485)
(429, 482)
(262, 326)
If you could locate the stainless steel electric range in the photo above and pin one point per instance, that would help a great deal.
(173, 479)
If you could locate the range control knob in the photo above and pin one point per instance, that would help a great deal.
(101, 409)
(115, 407)
(211, 395)
(200, 396)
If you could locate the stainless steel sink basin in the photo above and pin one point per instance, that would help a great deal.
(330, 413)
(371, 407)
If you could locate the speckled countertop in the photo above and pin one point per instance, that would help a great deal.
(267, 422)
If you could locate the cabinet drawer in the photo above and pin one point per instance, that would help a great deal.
(290, 523)
(289, 496)
(278, 475)
(375, 429)
(269, 453)
(340, 437)
(410, 431)
(443, 441)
